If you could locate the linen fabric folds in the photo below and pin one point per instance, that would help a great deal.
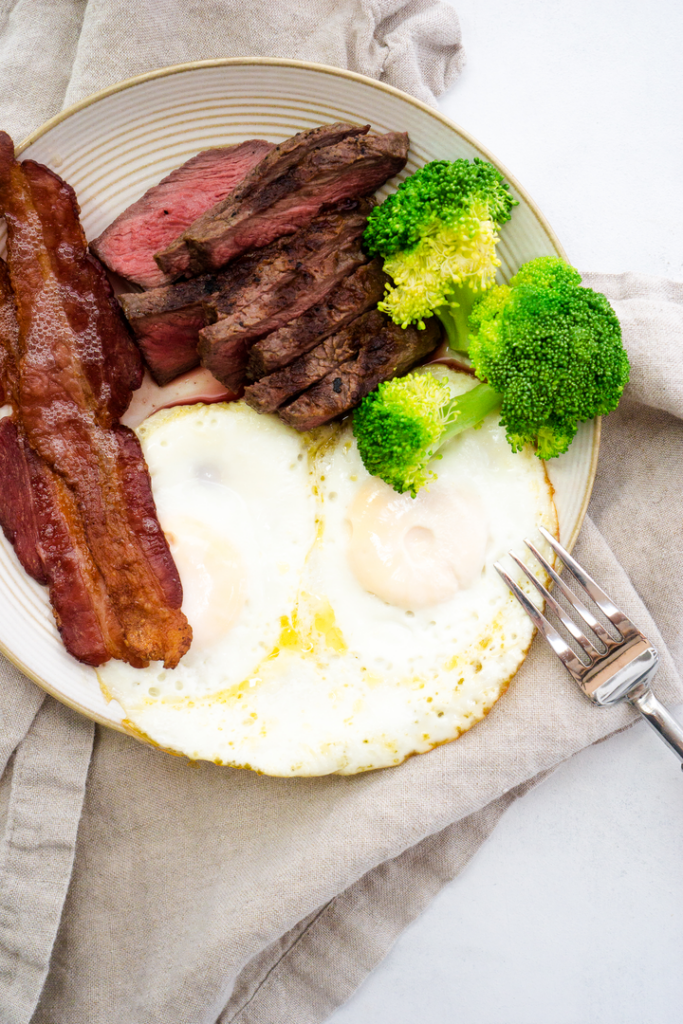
(137, 887)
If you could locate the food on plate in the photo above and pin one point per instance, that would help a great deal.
(70, 368)
(287, 286)
(285, 191)
(356, 294)
(253, 295)
(348, 626)
(549, 354)
(128, 245)
(334, 376)
(437, 234)
(284, 280)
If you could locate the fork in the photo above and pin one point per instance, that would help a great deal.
(611, 670)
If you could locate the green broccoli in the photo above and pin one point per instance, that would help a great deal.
(549, 354)
(437, 234)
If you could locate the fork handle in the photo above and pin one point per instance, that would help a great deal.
(656, 715)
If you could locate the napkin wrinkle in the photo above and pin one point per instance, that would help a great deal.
(37, 850)
(366, 919)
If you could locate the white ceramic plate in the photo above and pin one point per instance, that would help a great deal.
(114, 145)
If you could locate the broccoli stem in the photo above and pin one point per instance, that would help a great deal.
(468, 410)
(454, 317)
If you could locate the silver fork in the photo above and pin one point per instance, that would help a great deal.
(613, 669)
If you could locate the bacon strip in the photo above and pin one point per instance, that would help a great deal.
(77, 366)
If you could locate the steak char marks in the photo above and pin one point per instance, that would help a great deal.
(285, 191)
(76, 367)
(387, 351)
(341, 370)
(357, 293)
(288, 278)
(128, 245)
(252, 295)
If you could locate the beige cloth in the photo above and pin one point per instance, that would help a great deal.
(203, 895)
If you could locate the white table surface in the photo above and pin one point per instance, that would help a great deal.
(572, 913)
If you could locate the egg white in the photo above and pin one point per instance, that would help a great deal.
(310, 658)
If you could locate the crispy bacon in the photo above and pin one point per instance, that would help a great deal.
(77, 367)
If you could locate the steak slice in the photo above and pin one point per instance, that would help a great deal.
(174, 260)
(385, 353)
(354, 295)
(128, 245)
(166, 323)
(297, 273)
(71, 392)
(268, 394)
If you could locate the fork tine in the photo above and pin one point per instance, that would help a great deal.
(562, 650)
(578, 606)
(603, 601)
(569, 624)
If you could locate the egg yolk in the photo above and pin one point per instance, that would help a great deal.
(213, 578)
(416, 552)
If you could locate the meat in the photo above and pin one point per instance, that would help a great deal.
(386, 350)
(275, 390)
(255, 292)
(252, 217)
(39, 517)
(166, 323)
(357, 293)
(277, 165)
(128, 245)
(77, 368)
(294, 274)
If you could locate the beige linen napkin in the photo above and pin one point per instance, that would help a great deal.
(202, 895)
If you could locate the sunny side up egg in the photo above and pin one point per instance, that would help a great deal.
(339, 626)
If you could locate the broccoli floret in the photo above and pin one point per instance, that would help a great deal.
(549, 355)
(437, 234)
(401, 425)
(553, 350)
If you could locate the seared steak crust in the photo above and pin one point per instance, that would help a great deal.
(268, 394)
(385, 353)
(354, 167)
(174, 260)
(354, 295)
(128, 245)
(293, 274)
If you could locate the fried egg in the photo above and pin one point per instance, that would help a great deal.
(339, 626)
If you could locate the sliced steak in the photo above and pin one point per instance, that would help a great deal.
(355, 167)
(174, 259)
(354, 295)
(385, 353)
(268, 394)
(299, 272)
(166, 323)
(128, 245)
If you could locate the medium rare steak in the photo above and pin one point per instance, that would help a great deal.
(354, 295)
(128, 245)
(78, 367)
(268, 394)
(385, 353)
(174, 260)
(298, 272)
(355, 166)
(166, 323)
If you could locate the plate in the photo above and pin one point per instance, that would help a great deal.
(114, 145)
